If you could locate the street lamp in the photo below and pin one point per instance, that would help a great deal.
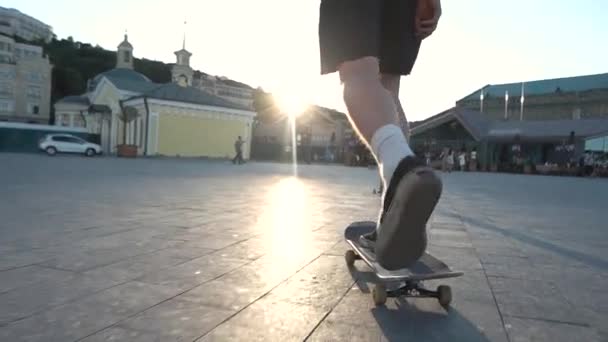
(506, 105)
(481, 101)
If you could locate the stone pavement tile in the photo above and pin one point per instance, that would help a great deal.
(248, 249)
(118, 334)
(135, 267)
(225, 294)
(532, 330)
(177, 320)
(448, 234)
(23, 258)
(329, 331)
(181, 252)
(338, 249)
(459, 259)
(268, 320)
(68, 322)
(533, 299)
(25, 301)
(81, 318)
(23, 276)
(322, 283)
(215, 241)
(83, 259)
(194, 272)
(510, 266)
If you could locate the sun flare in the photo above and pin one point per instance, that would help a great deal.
(292, 103)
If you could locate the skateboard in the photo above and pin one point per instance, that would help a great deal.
(409, 279)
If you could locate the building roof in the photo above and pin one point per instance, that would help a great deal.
(481, 128)
(174, 92)
(75, 99)
(127, 79)
(540, 87)
(553, 130)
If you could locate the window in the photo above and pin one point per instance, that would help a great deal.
(127, 56)
(33, 77)
(7, 105)
(7, 75)
(60, 139)
(6, 89)
(34, 92)
(33, 108)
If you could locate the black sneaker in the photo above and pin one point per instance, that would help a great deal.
(410, 199)
(368, 240)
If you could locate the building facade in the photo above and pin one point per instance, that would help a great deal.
(25, 82)
(568, 98)
(15, 23)
(225, 88)
(173, 119)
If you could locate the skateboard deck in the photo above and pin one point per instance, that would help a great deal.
(428, 267)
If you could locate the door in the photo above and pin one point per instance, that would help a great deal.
(77, 145)
(62, 144)
(152, 143)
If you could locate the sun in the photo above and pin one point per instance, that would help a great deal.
(292, 103)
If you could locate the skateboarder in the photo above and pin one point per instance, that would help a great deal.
(371, 44)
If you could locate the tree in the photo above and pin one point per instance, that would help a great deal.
(265, 107)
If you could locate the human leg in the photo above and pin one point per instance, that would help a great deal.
(349, 34)
(392, 84)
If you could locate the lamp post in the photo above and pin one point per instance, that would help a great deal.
(521, 100)
(506, 105)
(481, 102)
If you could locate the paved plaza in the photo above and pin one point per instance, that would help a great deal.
(108, 249)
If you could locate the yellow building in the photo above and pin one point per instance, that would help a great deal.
(174, 119)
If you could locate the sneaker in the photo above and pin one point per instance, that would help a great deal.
(409, 201)
(368, 240)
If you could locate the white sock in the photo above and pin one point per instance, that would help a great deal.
(389, 147)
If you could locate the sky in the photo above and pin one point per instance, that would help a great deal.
(274, 43)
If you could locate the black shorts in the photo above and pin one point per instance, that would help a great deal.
(353, 29)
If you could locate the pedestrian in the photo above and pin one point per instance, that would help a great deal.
(462, 161)
(450, 160)
(238, 148)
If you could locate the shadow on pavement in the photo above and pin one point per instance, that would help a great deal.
(527, 239)
(409, 323)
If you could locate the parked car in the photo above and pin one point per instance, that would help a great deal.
(67, 143)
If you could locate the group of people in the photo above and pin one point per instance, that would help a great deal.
(452, 160)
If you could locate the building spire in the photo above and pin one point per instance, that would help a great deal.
(184, 42)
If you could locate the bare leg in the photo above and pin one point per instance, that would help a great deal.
(392, 83)
(370, 105)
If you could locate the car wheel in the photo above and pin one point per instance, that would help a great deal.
(51, 151)
(89, 152)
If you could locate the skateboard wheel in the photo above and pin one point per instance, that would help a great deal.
(350, 257)
(379, 294)
(444, 293)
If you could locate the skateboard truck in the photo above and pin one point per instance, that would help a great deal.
(410, 288)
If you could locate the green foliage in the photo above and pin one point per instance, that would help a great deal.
(265, 106)
(75, 63)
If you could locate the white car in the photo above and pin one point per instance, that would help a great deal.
(66, 143)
